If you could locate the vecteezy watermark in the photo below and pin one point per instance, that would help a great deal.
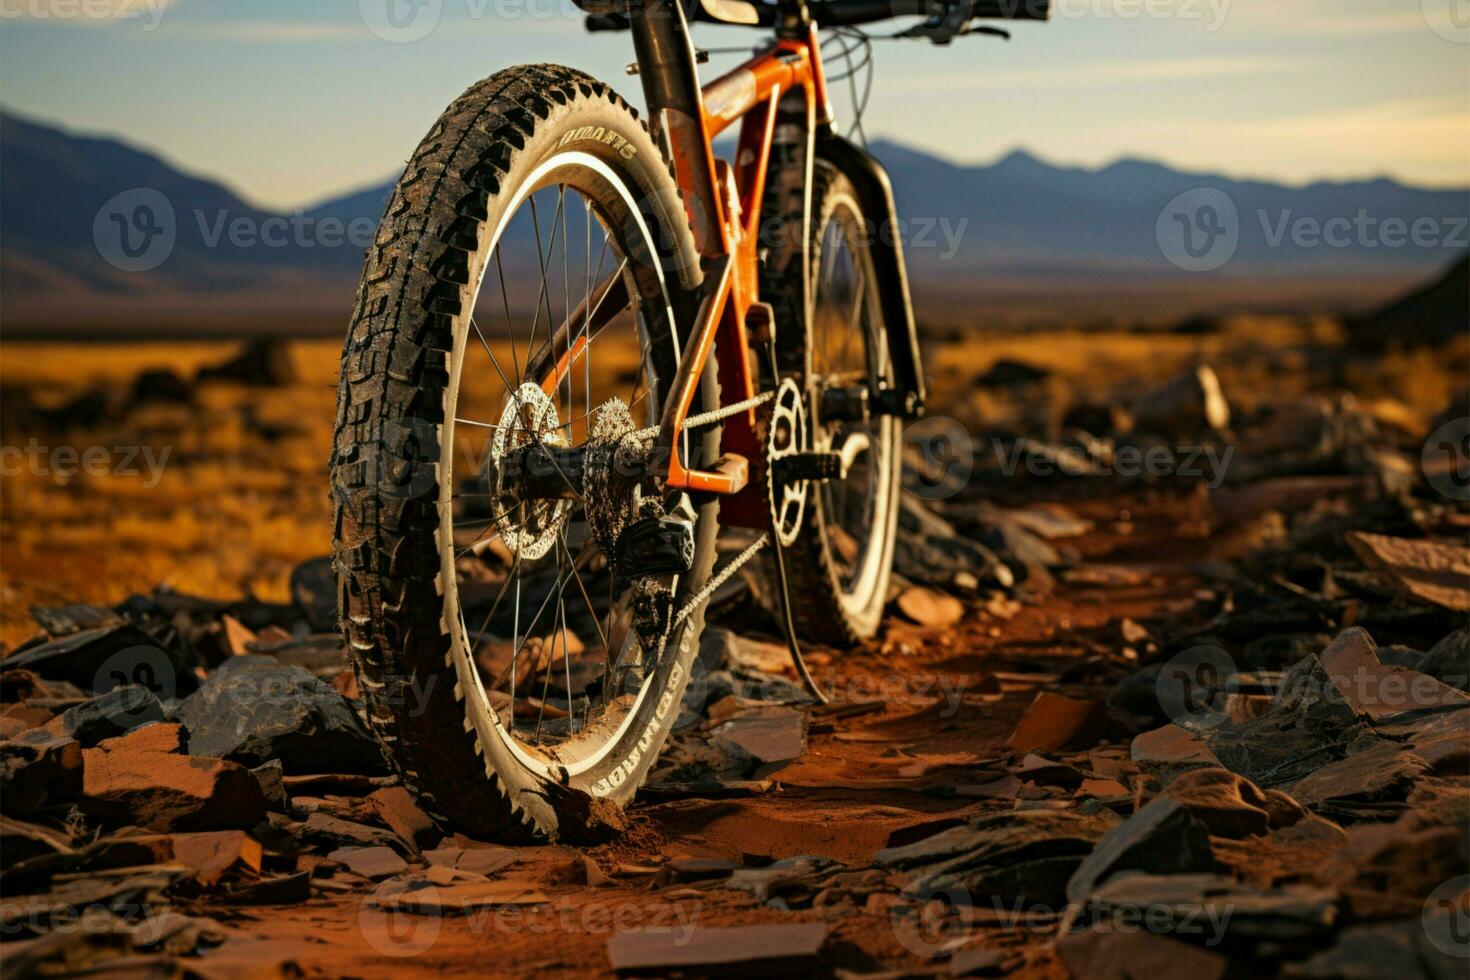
(1192, 686)
(1199, 230)
(1208, 463)
(401, 21)
(935, 915)
(135, 231)
(65, 462)
(1202, 229)
(1450, 19)
(139, 229)
(150, 12)
(1363, 230)
(403, 918)
(1209, 12)
(406, 21)
(939, 457)
(1446, 917)
(1446, 459)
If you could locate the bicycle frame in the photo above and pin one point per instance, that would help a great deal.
(724, 208)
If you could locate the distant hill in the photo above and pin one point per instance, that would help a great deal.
(1020, 233)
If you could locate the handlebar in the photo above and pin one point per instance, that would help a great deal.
(851, 13)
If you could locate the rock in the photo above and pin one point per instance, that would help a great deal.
(59, 621)
(128, 779)
(930, 608)
(80, 658)
(1385, 870)
(1102, 953)
(1162, 838)
(215, 855)
(314, 593)
(1232, 806)
(38, 773)
(159, 386)
(720, 648)
(1402, 950)
(1190, 405)
(934, 560)
(271, 778)
(1211, 908)
(462, 899)
(1054, 721)
(1007, 373)
(1380, 691)
(1426, 570)
(754, 950)
(235, 639)
(254, 712)
(1021, 855)
(1362, 783)
(1449, 660)
(792, 881)
(1308, 725)
(1170, 750)
(397, 809)
(327, 830)
(264, 362)
(772, 734)
(1045, 772)
(370, 862)
(114, 713)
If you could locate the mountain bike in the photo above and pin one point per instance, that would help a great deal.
(582, 344)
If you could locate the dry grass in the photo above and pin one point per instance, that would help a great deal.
(243, 496)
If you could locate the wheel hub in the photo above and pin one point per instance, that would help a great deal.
(529, 527)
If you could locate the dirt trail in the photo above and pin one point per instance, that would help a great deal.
(862, 779)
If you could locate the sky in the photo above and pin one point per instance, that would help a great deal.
(294, 101)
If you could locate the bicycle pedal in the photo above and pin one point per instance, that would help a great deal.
(809, 466)
(655, 546)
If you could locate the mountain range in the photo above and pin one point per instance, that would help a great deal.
(96, 233)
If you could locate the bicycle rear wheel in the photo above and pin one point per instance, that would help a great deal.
(842, 562)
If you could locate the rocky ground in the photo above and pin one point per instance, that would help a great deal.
(1123, 720)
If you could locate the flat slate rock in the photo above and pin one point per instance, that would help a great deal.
(701, 950)
(1162, 838)
(1427, 570)
(1194, 904)
(258, 710)
(1027, 854)
(81, 657)
(115, 713)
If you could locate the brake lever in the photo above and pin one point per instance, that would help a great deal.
(955, 22)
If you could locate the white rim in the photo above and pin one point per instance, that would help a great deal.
(486, 719)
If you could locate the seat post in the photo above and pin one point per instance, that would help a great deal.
(666, 66)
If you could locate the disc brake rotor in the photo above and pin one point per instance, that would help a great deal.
(528, 528)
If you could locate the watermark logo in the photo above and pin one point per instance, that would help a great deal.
(1198, 231)
(1446, 459)
(401, 21)
(393, 930)
(135, 231)
(94, 11)
(1450, 19)
(940, 455)
(1191, 686)
(1446, 917)
(144, 666)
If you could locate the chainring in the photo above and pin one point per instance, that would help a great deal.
(786, 435)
